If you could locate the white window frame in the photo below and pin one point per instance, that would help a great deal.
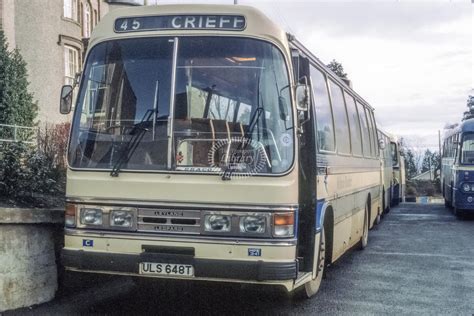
(71, 64)
(87, 20)
(70, 9)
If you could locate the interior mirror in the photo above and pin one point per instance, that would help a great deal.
(302, 97)
(382, 144)
(283, 108)
(65, 103)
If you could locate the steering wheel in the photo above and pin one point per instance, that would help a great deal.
(122, 128)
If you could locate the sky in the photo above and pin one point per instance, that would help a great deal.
(412, 60)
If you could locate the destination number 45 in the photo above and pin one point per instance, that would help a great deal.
(135, 25)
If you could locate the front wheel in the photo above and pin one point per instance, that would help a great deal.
(387, 210)
(377, 220)
(364, 240)
(312, 287)
(446, 203)
(459, 213)
(451, 202)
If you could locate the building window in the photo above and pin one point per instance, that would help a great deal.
(81, 13)
(87, 20)
(71, 64)
(70, 9)
(96, 18)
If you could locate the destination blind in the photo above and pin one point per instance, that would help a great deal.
(181, 22)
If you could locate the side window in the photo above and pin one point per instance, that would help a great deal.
(456, 140)
(341, 124)
(324, 121)
(373, 129)
(386, 151)
(394, 153)
(356, 137)
(450, 145)
(371, 132)
(446, 148)
(365, 130)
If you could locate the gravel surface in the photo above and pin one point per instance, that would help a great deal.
(420, 260)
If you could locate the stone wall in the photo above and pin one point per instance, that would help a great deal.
(29, 244)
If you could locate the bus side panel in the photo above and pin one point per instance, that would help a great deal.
(346, 183)
(447, 177)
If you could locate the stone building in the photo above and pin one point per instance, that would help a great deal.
(51, 36)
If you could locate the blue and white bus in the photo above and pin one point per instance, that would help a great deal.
(457, 168)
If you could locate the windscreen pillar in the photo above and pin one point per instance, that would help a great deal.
(29, 240)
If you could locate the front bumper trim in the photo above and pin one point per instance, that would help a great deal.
(203, 268)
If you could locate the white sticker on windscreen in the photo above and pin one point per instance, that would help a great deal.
(285, 140)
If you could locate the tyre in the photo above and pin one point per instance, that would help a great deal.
(446, 203)
(397, 194)
(389, 204)
(377, 220)
(312, 287)
(364, 240)
(459, 213)
(451, 202)
(387, 201)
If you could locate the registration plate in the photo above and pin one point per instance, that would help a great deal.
(183, 270)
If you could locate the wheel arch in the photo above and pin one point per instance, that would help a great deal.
(368, 203)
(384, 199)
(327, 220)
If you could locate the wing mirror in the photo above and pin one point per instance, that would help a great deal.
(382, 144)
(65, 103)
(303, 96)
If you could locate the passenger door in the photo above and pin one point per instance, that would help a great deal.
(307, 175)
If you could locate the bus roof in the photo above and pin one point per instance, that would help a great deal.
(465, 126)
(391, 137)
(257, 24)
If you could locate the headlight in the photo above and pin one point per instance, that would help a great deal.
(91, 216)
(284, 225)
(121, 219)
(466, 187)
(217, 223)
(252, 224)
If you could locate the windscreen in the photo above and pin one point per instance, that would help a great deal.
(231, 106)
(394, 153)
(467, 149)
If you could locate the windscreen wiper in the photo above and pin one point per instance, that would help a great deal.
(228, 171)
(137, 132)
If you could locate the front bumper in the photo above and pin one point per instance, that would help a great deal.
(203, 268)
(213, 259)
(461, 200)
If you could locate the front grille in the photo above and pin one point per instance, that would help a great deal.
(169, 221)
